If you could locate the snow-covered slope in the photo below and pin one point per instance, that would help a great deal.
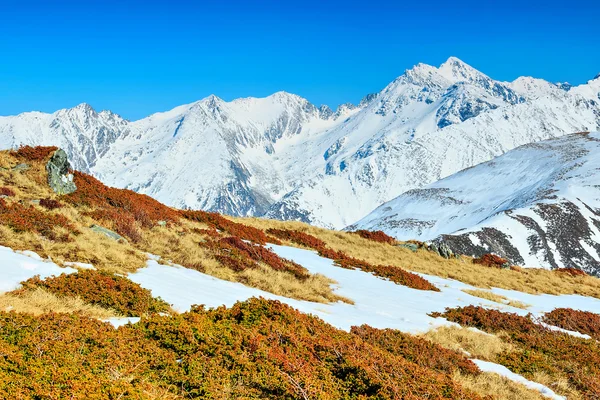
(538, 205)
(282, 157)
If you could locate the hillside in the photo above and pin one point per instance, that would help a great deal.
(535, 205)
(99, 290)
(284, 158)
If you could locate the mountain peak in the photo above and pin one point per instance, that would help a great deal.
(457, 70)
(84, 107)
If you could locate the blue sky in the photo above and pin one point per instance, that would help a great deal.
(147, 56)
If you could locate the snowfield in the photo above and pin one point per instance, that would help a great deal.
(16, 267)
(378, 302)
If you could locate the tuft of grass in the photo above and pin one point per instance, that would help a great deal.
(476, 344)
(40, 301)
(494, 386)
(491, 296)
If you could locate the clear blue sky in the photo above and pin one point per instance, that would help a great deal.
(148, 56)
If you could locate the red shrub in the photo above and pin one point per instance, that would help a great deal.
(575, 320)
(395, 274)
(123, 223)
(221, 223)
(238, 255)
(376, 236)
(491, 260)
(539, 349)
(38, 153)
(8, 192)
(22, 218)
(571, 271)
(301, 238)
(50, 204)
(143, 209)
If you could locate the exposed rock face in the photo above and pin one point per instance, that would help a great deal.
(59, 177)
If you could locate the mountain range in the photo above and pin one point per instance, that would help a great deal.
(283, 157)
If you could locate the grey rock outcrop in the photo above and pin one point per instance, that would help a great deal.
(106, 232)
(59, 177)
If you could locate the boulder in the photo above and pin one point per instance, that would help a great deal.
(411, 246)
(445, 251)
(59, 177)
(21, 167)
(106, 232)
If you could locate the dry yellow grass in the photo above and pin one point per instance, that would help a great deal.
(39, 301)
(496, 386)
(477, 344)
(485, 294)
(559, 384)
(484, 346)
(528, 280)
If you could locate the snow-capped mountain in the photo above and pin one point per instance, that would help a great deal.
(282, 157)
(86, 135)
(538, 205)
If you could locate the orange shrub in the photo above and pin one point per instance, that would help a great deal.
(418, 350)
(575, 320)
(103, 289)
(376, 236)
(38, 153)
(491, 260)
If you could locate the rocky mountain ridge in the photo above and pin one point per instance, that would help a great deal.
(283, 157)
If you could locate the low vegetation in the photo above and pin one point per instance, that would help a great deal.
(59, 227)
(255, 349)
(34, 218)
(420, 351)
(536, 349)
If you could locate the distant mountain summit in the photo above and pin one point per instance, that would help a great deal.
(283, 157)
(537, 205)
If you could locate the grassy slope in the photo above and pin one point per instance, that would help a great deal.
(190, 239)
